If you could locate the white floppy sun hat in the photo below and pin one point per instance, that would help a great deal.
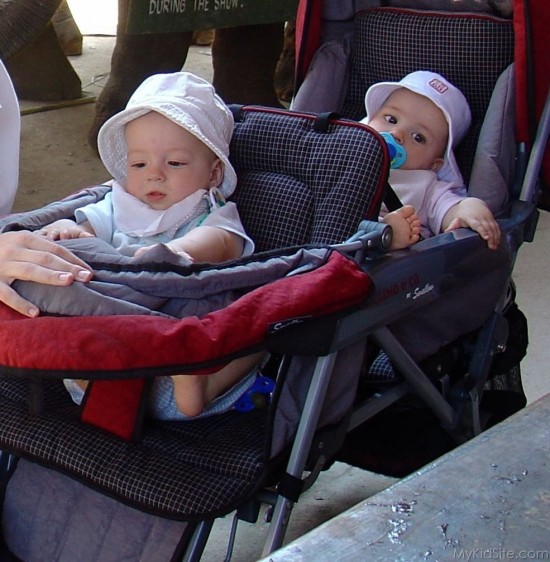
(446, 96)
(185, 99)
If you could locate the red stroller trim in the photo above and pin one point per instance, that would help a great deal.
(531, 23)
(71, 346)
(308, 36)
(135, 345)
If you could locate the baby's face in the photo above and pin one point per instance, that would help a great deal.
(416, 123)
(166, 163)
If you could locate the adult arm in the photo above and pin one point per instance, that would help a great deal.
(28, 257)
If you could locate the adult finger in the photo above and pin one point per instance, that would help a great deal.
(11, 298)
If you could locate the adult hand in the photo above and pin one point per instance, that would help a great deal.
(28, 257)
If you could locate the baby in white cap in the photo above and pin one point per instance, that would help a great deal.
(168, 152)
(422, 118)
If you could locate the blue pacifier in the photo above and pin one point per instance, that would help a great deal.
(398, 154)
(257, 396)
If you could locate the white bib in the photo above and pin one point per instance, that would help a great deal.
(135, 218)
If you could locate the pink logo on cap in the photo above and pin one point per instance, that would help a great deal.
(437, 85)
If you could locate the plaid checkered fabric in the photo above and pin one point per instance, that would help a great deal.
(470, 50)
(299, 184)
(381, 369)
(180, 470)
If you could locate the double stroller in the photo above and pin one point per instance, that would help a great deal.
(358, 337)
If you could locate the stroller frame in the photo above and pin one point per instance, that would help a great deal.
(458, 407)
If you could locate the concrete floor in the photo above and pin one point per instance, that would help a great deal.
(56, 160)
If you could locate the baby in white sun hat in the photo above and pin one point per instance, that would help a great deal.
(422, 118)
(168, 154)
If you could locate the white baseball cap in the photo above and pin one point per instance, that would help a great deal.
(185, 99)
(445, 95)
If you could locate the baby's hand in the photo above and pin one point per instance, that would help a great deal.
(474, 213)
(64, 229)
(177, 247)
(141, 251)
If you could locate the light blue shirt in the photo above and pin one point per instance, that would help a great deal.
(158, 227)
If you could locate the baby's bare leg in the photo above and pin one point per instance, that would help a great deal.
(405, 225)
(193, 392)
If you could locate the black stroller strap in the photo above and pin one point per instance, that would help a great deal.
(322, 121)
(237, 111)
(290, 487)
(391, 199)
